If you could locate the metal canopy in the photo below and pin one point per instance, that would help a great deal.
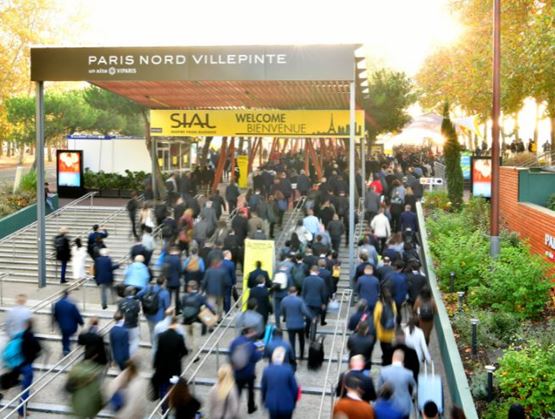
(217, 77)
(233, 94)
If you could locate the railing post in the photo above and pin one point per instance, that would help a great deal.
(2, 291)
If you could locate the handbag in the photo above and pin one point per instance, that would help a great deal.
(207, 318)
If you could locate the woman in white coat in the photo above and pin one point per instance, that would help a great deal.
(414, 338)
(78, 259)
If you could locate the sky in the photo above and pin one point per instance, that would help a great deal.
(396, 33)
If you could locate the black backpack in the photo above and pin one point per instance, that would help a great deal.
(150, 301)
(387, 319)
(426, 311)
(190, 309)
(130, 310)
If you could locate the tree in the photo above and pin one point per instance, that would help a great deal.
(462, 72)
(452, 154)
(390, 94)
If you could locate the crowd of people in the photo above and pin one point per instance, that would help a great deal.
(189, 287)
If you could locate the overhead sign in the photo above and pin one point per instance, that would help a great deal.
(481, 176)
(258, 62)
(431, 181)
(243, 123)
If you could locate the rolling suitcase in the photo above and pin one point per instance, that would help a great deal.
(430, 388)
(315, 348)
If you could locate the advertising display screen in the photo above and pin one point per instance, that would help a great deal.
(465, 164)
(69, 171)
(481, 176)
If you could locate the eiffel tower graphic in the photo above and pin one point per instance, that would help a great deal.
(331, 129)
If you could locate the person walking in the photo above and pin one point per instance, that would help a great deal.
(280, 284)
(66, 314)
(30, 350)
(63, 252)
(368, 287)
(119, 341)
(296, 314)
(243, 356)
(384, 407)
(214, 284)
(279, 387)
(229, 267)
(104, 276)
(231, 194)
(414, 338)
(191, 304)
(95, 349)
(262, 297)
(357, 366)
(351, 406)
(173, 271)
(167, 360)
(182, 403)
(223, 398)
(155, 300)
(93, 238)
(127, 393)
(381, 228)
(84, 385)
(425, 308)
(384, 324)
(136, 275)
(362, 343)
(130, 307)
(250, 319)
(336, 229)
(315, 295)
(402, 381)
(132, 206)
(78, 259)
(17, 316)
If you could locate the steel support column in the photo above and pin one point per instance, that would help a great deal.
(41, 201)
(352, 182)
(363, 165)
(496, 110)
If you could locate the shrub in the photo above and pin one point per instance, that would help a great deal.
(452, 154)
(476, 212)
(495, 330)
(528, 376)
(551, 202)
(28, 182)
(515, 282)
(436, 200)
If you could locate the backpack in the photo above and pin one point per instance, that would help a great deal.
(298, 275)
(129, 311)
(190, 309)
(280, 281)
(336, 271)
(150, 301)
(167, 231)
(387, 320)
(12, 354)
(426, 311)
(241, 356)
(193, 265)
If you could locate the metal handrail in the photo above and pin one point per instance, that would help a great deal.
(51, 215)
(199, 353)
(345, 297)
(536, 160)
(48, 381)
(289, 224)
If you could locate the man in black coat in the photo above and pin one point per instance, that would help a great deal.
(167, 360)
(357, 364)
(416, 281)
(63, 252)
(240, 225)
(232, 194)
(262, 296)
(95, 349)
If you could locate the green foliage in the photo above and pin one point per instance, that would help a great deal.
(479, 385)
(528, 376)
(390, 94)
(494, 330)
(133, 181)
(10, 202)
(28, 182)
(436, 200)
(551, 202)
(515, 282)
(452, 154)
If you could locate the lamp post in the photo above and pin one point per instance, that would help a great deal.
(496, 110)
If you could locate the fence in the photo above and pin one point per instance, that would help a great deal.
(454, 369)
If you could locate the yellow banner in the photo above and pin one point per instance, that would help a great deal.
(256, 250)
(243, 165)
(245, 123)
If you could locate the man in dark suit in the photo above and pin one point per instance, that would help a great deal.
(104, 276)
(262, 296)
(66, 314)
(314, 294)
(251, 282)
(214, 284)
(240, 225)
(167, 360)
(357, 364)
(408, 219)
(119, 341)
(325, 274)
(93, 343)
